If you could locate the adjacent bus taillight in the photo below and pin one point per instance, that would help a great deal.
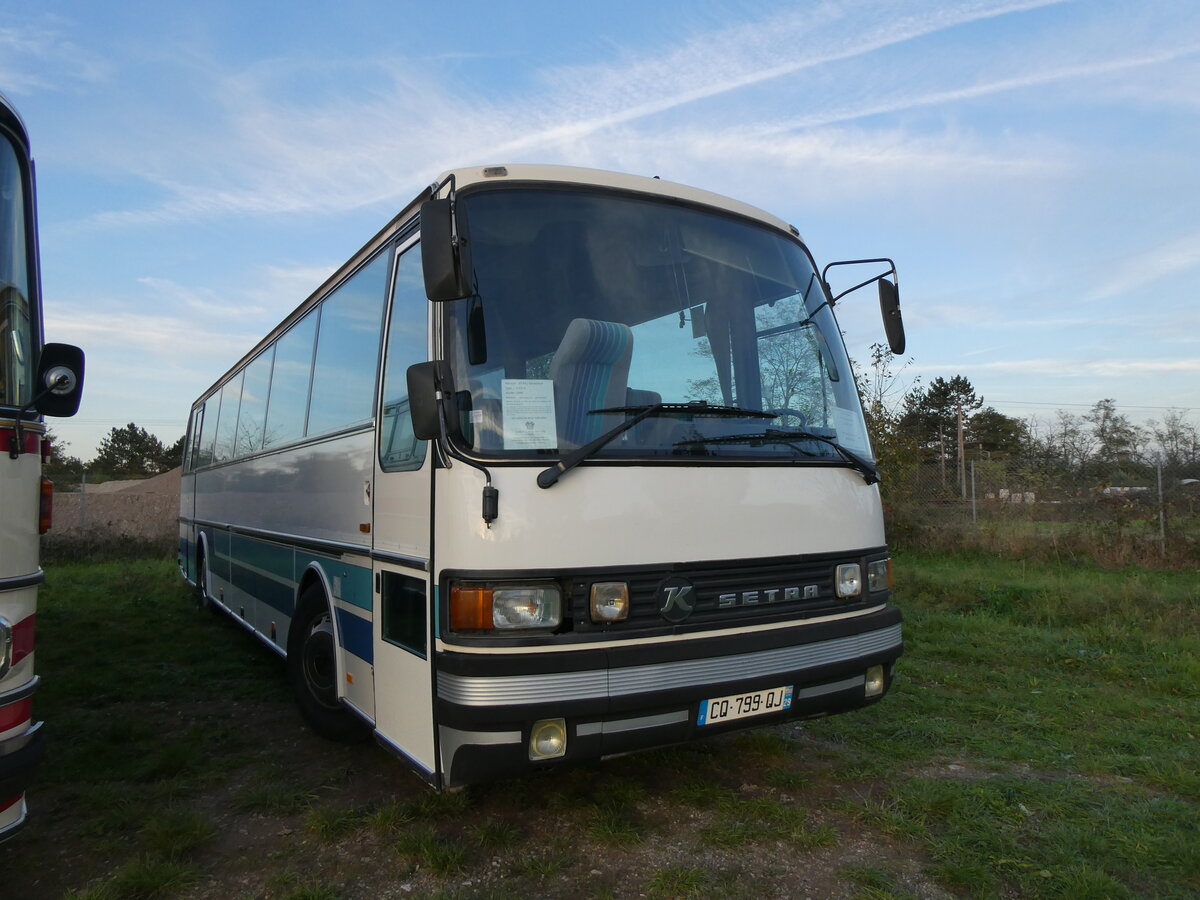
(46, 506)
(16, 642)
(15, 714)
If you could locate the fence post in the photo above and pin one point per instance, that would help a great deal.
(974, 509)
(1162, 514)
(83, 500)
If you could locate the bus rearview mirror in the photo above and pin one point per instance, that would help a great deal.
(60, 380)
(889, 308)
(444, 260)
(423, 386)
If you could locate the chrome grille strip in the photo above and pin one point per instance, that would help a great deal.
(598, 683)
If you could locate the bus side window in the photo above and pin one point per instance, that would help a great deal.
(347, 353)
(399, 448)
(288, 399)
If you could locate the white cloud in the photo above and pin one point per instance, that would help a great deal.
(267, 155)
(1069, 368)
(1150, 266)
(27, 48)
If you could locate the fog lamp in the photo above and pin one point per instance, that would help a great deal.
(875, 681)
(879, 575)
(610, 601)
(548, 739)
(849, 580)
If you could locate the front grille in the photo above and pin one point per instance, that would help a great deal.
(724, 593)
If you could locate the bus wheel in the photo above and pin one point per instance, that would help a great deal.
(202, 598)
(312, 668)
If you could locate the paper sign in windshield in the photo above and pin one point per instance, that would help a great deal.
(529, 414)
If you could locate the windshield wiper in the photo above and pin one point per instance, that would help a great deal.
(549, 476)
(777, 436)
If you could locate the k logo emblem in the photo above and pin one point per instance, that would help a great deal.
(676, 599)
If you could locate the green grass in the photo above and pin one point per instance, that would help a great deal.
(1040, 741)
(1042, 731)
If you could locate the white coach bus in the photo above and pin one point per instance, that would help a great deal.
(36, 380)
(562, 464)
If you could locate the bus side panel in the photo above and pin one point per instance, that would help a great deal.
(270, 519)
(316, 490)
(21, 742)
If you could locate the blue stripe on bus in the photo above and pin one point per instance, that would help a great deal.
(356, 635)
(352, 585)
(264, 571)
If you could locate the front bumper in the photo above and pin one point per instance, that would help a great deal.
(19, 758)
(642, 695)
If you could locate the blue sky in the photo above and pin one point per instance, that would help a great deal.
(1033, 167)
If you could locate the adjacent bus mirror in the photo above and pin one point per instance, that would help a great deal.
(889, 308)
(424, 381)
(60, 378)
(444, 260)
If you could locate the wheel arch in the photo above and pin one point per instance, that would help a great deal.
(314, 575)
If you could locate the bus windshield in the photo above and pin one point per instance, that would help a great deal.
(591, 306)
(16, 338)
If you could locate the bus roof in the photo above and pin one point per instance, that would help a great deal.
(615, 180)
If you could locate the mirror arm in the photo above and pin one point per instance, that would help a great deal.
(856, 262)
(16, 443)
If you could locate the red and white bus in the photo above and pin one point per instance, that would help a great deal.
(36, 380)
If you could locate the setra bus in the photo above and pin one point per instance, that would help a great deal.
(561, 464)
(36, 380)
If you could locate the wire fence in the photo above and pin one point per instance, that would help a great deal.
(1147, 514)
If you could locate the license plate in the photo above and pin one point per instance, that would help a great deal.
(741, 706)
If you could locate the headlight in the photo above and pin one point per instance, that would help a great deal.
(609, 601)
(505, 607)
(879, 575)
(849, 580)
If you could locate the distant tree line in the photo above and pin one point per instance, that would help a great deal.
(128, 452)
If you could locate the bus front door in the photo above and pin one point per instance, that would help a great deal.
(404, 700)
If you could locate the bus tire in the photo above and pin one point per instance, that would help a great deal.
(203, 600)
(312, 670)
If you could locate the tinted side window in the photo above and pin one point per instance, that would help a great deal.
(289, 383)
(343, 386)
(191, 451)
(406, 344)
(253, 416)
(231, 395)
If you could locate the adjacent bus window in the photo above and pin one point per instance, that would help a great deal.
(399, 448)
(289, 384)
(16, 332)
(348, 350)
(252, 419)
